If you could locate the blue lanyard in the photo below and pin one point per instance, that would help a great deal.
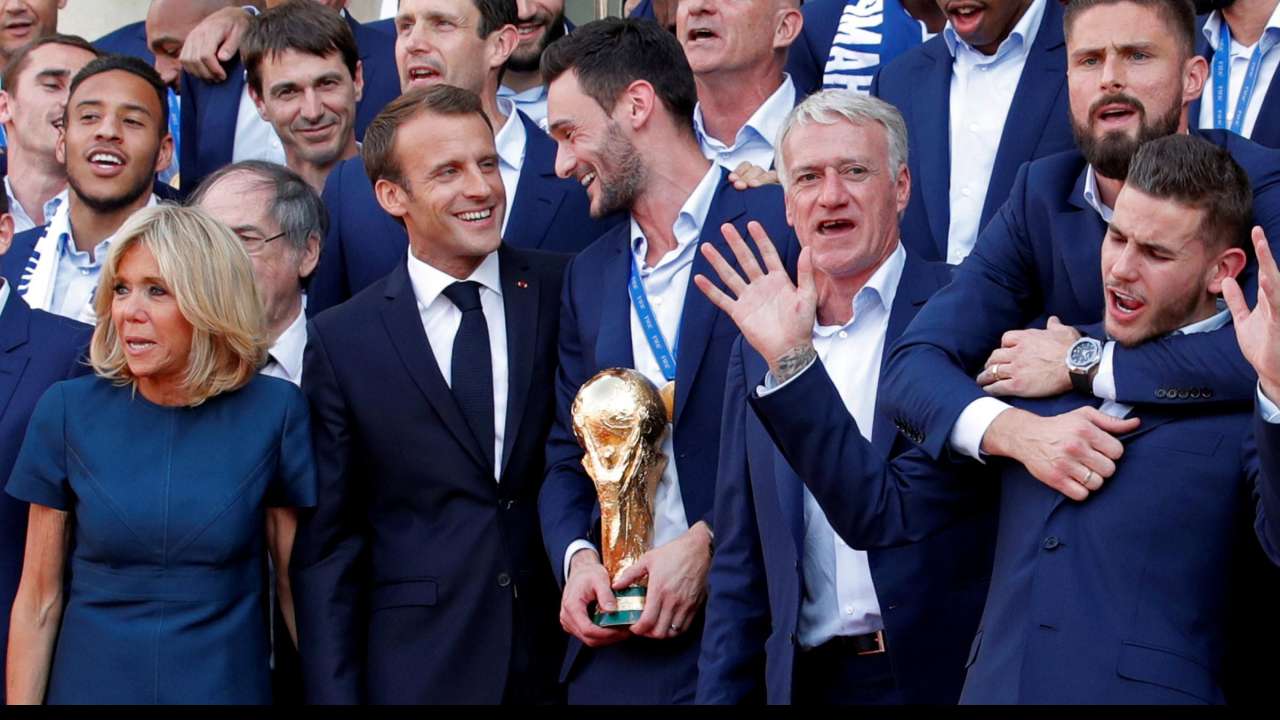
(1222, 82)
(649, 323)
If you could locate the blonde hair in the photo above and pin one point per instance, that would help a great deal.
(210, 276)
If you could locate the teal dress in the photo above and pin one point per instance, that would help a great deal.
(166, 599)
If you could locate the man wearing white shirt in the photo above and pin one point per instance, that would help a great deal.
(33, 99)
(738, 52)
(116, 139)
(1240, 94)
(431, 395)
(837, 625)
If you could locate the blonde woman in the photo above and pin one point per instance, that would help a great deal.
(156, 483)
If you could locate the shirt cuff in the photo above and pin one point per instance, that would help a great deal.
(1104, 381)
(971, 426)
(771, 384)
(1267, 407)
(574, 547)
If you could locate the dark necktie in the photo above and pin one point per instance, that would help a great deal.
(471, 366)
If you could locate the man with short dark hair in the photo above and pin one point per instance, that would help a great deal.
(305, 77)
(540, 23)
(620, 105)
(115, 139)
(32, 104)
(468, 50)
(420, 577)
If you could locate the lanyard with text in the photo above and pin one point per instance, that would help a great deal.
(649, 323)
(1222, 82)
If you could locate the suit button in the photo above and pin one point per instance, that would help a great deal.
(1051, 542)
(507, 504)
(503, 579)
(1160, 393)
(1183, 394)
(1207, 393)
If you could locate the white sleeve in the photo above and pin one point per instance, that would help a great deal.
(971, 426)
(574, 547)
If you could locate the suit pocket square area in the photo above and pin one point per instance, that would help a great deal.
(404, 593)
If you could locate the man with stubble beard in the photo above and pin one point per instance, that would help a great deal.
(539, 23)
(115, 139)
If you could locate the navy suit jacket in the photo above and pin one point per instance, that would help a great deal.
(930, 592)
(129, 40)
(209, 110)
(1266, 130)
(1038, 124)
(595, 334)
(364, 242)
(1041, 256)
(37, 349)
(418, 575)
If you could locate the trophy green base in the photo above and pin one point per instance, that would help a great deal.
(630, 605)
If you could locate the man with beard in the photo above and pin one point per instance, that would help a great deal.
(115, 139)
(1241, 94)
(539, 23)
(306, 78)
(463, 43)
(980, 99)
(620, 106)
(32, 105)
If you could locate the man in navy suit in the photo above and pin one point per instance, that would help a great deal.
(37, 349)
(790, 602)
(545, 212)
(420, 577)
(1125, 596)
(982, 98)
(128, 40)
(217, 109)
(844, 42)
(620, 106)
(1250, 103)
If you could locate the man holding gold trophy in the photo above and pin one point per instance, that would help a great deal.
(620, 103)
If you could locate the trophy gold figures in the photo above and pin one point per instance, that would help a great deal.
(619, 419)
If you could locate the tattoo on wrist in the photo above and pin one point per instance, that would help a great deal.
(793, 361)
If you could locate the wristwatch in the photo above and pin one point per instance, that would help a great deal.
(1083, 360)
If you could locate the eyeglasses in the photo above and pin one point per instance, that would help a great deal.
(254, 244)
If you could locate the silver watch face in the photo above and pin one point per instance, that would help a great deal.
(1085, 353)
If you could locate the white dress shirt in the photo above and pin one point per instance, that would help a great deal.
(982, 89)
(255, 139)
(1266, 407)
(665, 285)
(21, 218)
(531, 102)
(441, 319)
(839, 594)
(510, 142)
(754, 141)
(76, 280)
(1269, 44)
(285, 355)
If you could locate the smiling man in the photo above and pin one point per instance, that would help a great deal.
(539, 23)
(23, 21)
(116, 139)
(305, 77)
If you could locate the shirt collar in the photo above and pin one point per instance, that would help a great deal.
(4, 294)
(881, 288)
(50, 207)
(428, 282)
(510, 140)
(1020, 38)
(1093, 197)
(287, 349)
(1270, 34)
(68, 239)
(537, 93)
(693, 215)
(764, 123)
(1209, 324)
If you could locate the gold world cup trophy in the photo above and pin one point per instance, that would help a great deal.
(620, 419)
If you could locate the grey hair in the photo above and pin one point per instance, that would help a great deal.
(829, 107)
(294, 205)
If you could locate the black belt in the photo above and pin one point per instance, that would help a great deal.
(868, 644)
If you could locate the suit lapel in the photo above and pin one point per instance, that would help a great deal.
(932, 107)
(520, 302)
(221, 109)
(538, 192)
(14, 323)
(1082, 230)
(919, 281)
(1266, 130)
(613, 343)
(404, 327)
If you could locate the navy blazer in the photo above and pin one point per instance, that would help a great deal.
(1041, 256)
(209, 110)
(930, 592)
(1266, 129)
(364, 242)
(418, 577)
(595, 334)
(1038, 124)
(37, 349)
(129, 40)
